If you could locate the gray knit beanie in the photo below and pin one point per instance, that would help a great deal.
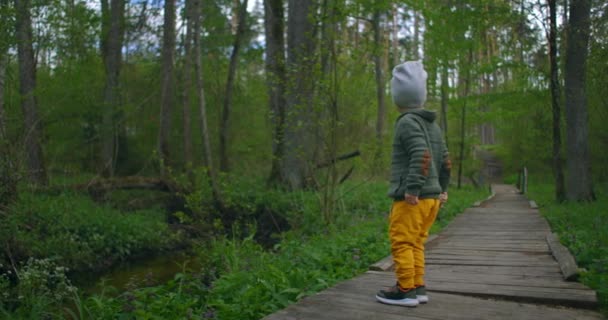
(408, 85)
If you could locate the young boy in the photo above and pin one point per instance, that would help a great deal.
(420, 173)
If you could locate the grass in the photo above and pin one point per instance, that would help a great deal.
(583, 228)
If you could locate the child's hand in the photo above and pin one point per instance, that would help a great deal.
(443, 197)
(411, 199)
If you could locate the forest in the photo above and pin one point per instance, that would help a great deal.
(244, 146)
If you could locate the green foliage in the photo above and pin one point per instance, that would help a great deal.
(582, 228)
(80, 234)
(41, 287)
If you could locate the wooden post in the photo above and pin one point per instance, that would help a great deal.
(519, 180)
(524, 181)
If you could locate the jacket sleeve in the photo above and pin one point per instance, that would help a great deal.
(413, 140)
(446, 170)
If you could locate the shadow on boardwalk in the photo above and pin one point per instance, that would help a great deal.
(491, 262)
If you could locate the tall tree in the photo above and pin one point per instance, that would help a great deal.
(300, 61)
(274, 27)
(3, 67)
(579, 182)
(111, 47)
(444, 100)
(380, 84)
(241, 10)
(463, 115)
(558, 171)
(395, 35)
(187, 87)
(167, 84)
(27, 90)
(4, 59)
(204, 127)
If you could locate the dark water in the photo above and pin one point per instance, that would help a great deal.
(141, 272)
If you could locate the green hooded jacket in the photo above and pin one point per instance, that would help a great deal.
(416, 168)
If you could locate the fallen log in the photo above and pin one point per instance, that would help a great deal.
(103, 185)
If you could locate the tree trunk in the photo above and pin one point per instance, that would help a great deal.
(416, 35)
(275, 74)
(558, 171)
(380, 86)
(444, 100)
(187, 74)
(208, 159)
(111, 50)
(579, 182)
(298, 130)
(27, 90)
(224, 123)
(463, 116)
(396, 55)
(167, 85)
(3, 67)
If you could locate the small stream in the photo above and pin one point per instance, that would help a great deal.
(142, 272)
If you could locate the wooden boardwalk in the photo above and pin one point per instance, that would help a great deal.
(491, 262)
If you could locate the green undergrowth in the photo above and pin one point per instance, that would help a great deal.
(583, 228)
(240, 279)
(75, 232)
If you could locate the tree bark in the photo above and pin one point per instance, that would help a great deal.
(27, 90)
(274, 27)
(167, 85)
(187, 80)
(3, 67)
(224, 123)
(187, 87)
(298, 130)
(112, 32)
(416, 36)
(444, 100)
(208, 159)
(558, 170)
(395, 43)
(579, 181)
(463, 116)
(380, 85)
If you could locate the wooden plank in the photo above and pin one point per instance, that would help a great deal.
(580, 299)
(359, 294)
(383, 265)
(507, 280)
(467, 252)
(523, 259)
(354, 299)
(565, 260)
(485, 263)
(533, 271)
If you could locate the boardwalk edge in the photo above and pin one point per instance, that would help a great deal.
(479, 203)
(564, 258)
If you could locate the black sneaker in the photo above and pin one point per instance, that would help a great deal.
(397, 296)
(421, 294)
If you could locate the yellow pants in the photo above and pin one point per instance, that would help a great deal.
(409, 227)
